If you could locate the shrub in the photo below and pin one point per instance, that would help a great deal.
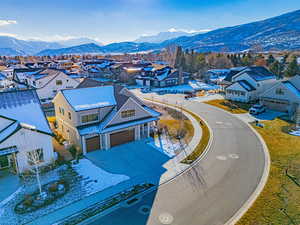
(53, 187)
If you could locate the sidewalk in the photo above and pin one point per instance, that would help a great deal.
(173, 167)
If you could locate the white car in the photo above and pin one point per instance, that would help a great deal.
(257, 109)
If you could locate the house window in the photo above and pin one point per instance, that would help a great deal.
(35, 157)
(279, 91)
(62, 111)
(59, 82)
(69, 115)
(128, 113)
(89, 118)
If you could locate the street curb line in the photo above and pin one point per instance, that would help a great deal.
(247, 205)
(203, 154)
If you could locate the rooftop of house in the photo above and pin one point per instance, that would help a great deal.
(23, 108)
(245, 84)
(258, 73)
(87, 82)
(90, 98)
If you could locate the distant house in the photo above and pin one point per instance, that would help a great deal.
(102, 117)
(247, 85)
(162, 78)
(47, 82)
(88, 82)
(284, 96)
(23, 130)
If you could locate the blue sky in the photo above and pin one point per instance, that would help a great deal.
(125, 20)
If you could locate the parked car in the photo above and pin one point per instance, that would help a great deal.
(257, 109)
(190, 95)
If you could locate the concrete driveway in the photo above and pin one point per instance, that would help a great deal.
(268, 115)
(138, 160)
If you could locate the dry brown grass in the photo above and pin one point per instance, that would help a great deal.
(233, 107)
(279, 202)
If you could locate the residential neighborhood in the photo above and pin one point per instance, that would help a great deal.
(170, 113)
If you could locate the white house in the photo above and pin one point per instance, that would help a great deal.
(248, 84)
(48, 82)
(102, 117)
(284, 96)
(23, 131)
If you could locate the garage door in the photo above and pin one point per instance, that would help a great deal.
(121, 137)
(276, 105)
(92, 143)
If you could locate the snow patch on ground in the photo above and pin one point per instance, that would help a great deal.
(95, 179)
(165, 146)
(295, 132)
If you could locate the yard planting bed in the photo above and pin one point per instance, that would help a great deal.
(84, 179)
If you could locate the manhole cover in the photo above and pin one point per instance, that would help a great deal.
(145, 209)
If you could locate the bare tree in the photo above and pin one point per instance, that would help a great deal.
(34, 159)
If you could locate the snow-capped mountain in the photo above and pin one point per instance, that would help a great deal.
(79, 49)
(281, 33)
(15, 46)
(278, 33)
(78, 41)
(163, 36)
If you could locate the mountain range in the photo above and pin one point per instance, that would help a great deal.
(163, 36)
(277, 33)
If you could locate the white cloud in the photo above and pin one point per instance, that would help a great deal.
(7, 22)
(8, 34)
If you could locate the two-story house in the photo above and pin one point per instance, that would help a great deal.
(47, 82)
(102, 117)
(284, 96)
(24, 130)
(248, 84)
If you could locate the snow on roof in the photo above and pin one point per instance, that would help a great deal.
(8, 131)
(292, 88)
(24, 107)
(90, 98)
(163, 75)
(152, 111)
(245, 84)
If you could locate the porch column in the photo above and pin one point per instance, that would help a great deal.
(107, 141)
(138, 132)
(83, 143)
(148, 130)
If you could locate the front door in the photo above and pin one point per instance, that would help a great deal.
(4, 162)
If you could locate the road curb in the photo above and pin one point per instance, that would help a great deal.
(203, 154)
(247, 205)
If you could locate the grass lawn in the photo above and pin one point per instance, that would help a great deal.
(230, 106)
(279, 202)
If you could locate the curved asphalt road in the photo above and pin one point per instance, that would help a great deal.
(215, 189)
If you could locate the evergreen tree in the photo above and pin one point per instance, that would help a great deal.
(292, 68)
(270, 60)
(276, 68)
